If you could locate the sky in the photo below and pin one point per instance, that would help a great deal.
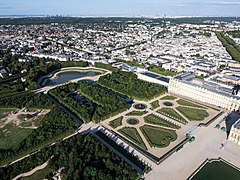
(121, 7)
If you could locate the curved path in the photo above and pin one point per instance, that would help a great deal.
(29, 173)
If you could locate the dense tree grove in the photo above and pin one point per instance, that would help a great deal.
(63, 95)
(8, 88)
(12, 78)
(104, 103)
(35, 67)
(106, 66)
(74, 64)
(24, 99)
(232, 48)
(109, 103)
(83, 157)
(56, 124)
(39, 101)
(128, 84)
(15, 100)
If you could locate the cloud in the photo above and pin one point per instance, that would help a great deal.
(229, 3)
(5, 6)
(207, 4)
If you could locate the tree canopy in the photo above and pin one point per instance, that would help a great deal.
(83, 157)
(128, 84)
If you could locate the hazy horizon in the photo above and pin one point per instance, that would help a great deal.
(120, 8)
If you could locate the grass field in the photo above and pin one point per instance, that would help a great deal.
(173, 114)
(25, 116)
(133, 135)
(155, 104)
(187, 103)
(116, 122)
(158, 137)
(10, 136)
(153, 119)
(193, 114)
(168, 98)
(136, 113)
(26, 124)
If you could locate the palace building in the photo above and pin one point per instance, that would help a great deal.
(235, 132)
(188, 86)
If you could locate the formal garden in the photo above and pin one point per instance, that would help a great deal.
(159, 124)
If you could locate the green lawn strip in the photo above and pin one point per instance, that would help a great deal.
(193, 114)
(158, 137)
(172, 114)
(11, 135)
(4, 112)
(136, 113)
(187, 103)
(26, 124)
(153, 119)
(155, 104)
(133, 135)
(40, 174)
(36, 122)
(162, 71)
(116, 122)
(168, 98)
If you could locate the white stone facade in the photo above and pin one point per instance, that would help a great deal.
(202, 94)
(235, 133)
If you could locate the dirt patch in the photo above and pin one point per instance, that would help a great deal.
(23, 118)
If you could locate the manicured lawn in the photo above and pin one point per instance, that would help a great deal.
(136, 113)
(158, 137)
(162, 71)
(193, 114)
(10, 136)
(133, 135)
(187, 103)
(172, 114)
(155, 104)
(153, 119)
(168, 98)
(116, 122)
(4, 112)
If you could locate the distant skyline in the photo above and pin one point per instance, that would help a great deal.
(121, 7)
